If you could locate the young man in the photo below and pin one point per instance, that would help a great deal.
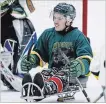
(50, 47)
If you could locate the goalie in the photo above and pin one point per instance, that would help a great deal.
(62, 36)
(16, 31)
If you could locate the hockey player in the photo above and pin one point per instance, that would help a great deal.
(65, 38)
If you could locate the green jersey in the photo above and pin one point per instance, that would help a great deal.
(74, 45)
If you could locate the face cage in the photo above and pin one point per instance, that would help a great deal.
(68, 17)
(31, 98)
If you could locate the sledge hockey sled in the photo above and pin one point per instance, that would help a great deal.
(67, 94)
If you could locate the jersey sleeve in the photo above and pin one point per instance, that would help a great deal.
(83, 52)
(41, 47)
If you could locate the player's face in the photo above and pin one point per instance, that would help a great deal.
(59, 21)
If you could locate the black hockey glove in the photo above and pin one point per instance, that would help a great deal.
(28, 62)
(76, 68)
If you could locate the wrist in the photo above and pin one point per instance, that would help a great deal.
(82, 67)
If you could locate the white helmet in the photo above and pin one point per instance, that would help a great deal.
(66, 9)
(23, 8)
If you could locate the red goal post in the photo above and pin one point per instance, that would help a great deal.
(84, 16)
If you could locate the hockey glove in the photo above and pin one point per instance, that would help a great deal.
(76, 68)
(28, 63)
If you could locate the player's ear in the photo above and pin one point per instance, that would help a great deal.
(69, 20)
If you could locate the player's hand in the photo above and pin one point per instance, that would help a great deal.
(76, 68)
(28, 63)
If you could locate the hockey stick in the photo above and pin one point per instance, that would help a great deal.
(101, 95)
(98, 97)
(82, 89)
(26, 51)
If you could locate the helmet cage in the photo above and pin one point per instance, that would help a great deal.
(66, 10)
